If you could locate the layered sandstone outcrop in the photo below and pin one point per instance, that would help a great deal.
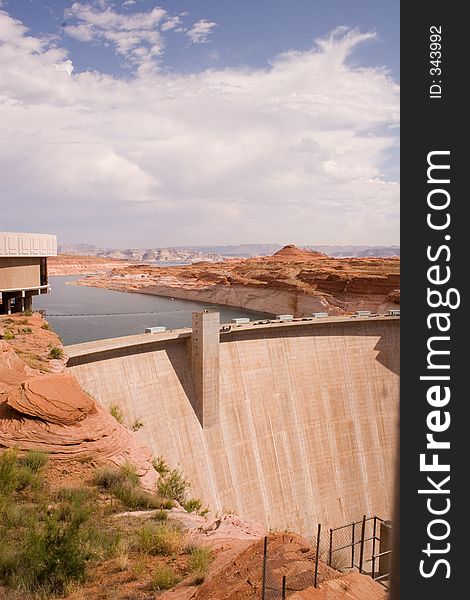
(290, 281)
(49, 411)
(73, 264)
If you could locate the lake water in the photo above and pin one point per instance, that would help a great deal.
(82, 314)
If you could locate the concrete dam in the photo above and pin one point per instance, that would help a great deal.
(289, 424)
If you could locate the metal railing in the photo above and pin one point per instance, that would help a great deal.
(352, 546)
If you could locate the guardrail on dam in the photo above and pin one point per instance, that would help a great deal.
(289, 424)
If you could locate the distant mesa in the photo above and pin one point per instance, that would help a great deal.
(293, 253)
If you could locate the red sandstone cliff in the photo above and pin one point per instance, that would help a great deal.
(44, 408)
(290, 281)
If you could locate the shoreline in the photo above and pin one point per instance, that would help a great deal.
(267, 300)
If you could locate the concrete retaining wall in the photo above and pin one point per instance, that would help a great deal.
(307, 429)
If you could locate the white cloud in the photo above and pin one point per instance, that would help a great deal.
(135, 37)
(200, 31)
(293, 152)
(171, 23)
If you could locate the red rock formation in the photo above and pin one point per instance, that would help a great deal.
(49, 411)
(291, 281)
(74, 264)
(288, 554)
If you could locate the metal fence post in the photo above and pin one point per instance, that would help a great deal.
(265, 555)
(331, 548)
(317, 555)
(353, 544)
(283, 587)
(373, 546)
(363, 535)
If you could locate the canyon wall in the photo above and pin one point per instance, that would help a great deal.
(274, 301)
(307, 423)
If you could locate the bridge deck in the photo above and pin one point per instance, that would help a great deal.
(99, 346)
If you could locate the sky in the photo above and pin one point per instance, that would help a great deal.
(135, 123)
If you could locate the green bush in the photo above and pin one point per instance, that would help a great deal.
(45, 326)
(200, 558)
(193, 505)
(116, 412)
(164, 578)
(173, 486)
(34, 460)
(123, 484)
(160, 515)
(8, 335)
(8, 471)
(51, 553)
(130, 473)
(160, 465)
(16, 474)
(27, 313)
(107, 478)
(163, 539)
(56, 352)
(135, 498)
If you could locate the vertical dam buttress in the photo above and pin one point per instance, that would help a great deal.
(205, 366)
(302, 428)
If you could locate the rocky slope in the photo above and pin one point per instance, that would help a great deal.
(239, 576)
(291, 281)
(44, 408)
(73, 264)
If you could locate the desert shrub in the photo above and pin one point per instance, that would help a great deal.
(14, 475)
(8, 335)
(8, 562)
(200, 558)
(51, 554)
(121, 555)
(123, 484)
(193, 505)
(173, 486)
(130, 473)
(25, 478)
(160, 465)
(138, 424)
(8, 471)
(164, 578)
(76, 495)
(164, 539)
(56, 352)
(34, 460)
(26, 330)
(160, 515)
(135, 498)
(27, 313)
(108, 478)
(45, 326)
(116, 412)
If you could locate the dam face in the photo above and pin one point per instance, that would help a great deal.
(307, 422)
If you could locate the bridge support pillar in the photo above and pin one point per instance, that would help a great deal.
(205, 366)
